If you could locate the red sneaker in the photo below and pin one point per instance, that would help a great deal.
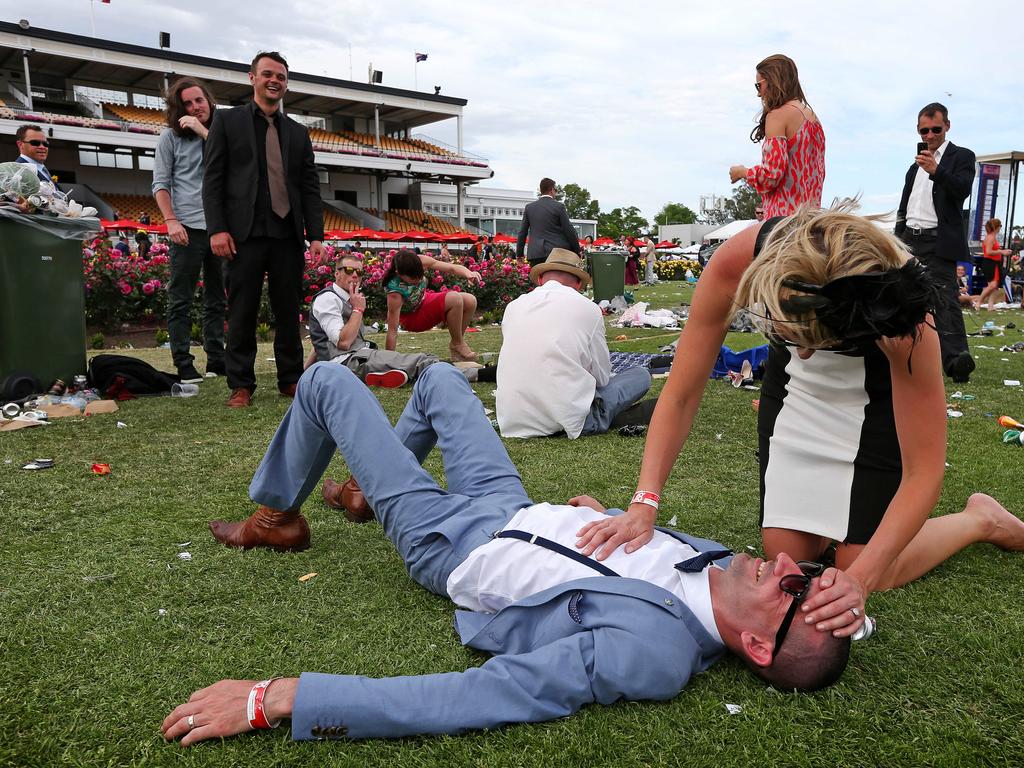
(388, 380)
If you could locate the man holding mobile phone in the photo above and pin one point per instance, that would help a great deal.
(930, 221)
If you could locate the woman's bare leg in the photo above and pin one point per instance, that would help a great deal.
(983, 520)
(989, 295)
(453, 316)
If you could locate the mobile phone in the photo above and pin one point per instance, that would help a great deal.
(921, 146)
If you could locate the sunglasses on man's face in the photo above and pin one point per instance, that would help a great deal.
(351, 270)
(936, 129)
(36, 142)
(797, 585)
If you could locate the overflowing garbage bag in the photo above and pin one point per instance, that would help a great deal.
(42, 205)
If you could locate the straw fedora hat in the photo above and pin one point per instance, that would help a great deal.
(563, 260)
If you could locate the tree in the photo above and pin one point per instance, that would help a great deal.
(742, 203)
(713, 216)
(622, 221)
(578, 202)
(675, 213)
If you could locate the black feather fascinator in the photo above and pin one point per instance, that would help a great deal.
(867, 306)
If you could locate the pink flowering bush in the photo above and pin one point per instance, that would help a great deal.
(121, 289)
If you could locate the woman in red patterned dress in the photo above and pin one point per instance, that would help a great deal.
(792, 170)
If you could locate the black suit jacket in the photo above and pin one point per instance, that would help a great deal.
(951, 186)
(231, 174)
(547, 224)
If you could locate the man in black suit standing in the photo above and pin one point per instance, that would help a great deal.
(930, 221)
(547, 224)
(261, 196)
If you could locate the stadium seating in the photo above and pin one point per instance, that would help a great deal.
(406, 219)
(5, 111)
(334, 221)
(133, 206)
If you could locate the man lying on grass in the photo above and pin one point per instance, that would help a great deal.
(564, 630)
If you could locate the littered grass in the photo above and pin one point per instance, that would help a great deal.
(104, 629)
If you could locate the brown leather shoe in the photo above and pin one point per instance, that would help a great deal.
(240, 398)
(287, 390)
(348, 496)
(266, 527)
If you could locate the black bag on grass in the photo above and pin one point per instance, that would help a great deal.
(120, 377)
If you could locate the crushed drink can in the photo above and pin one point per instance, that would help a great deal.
(81, 382)
(866, 630)
(11, 410)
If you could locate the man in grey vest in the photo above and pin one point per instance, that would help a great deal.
(336, 330)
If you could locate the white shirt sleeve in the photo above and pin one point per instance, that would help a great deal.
(327, 311)
(600, 360)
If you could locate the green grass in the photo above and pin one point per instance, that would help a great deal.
(89, 668)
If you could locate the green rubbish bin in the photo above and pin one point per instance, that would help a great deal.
(42, 300)
(608, 268)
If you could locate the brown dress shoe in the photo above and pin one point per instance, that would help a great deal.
(287, 390)
(240, 398)
(348, 496)
(271, 528)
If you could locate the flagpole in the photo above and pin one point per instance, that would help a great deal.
(92, 16)
(416, 71)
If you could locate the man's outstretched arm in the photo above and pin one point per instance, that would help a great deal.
(545, 684)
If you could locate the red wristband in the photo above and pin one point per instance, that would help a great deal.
(254, 707)
(646, 497)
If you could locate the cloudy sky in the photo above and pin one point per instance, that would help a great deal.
(639, 102)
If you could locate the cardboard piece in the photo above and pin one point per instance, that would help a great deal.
(60, 410)
(100, 406)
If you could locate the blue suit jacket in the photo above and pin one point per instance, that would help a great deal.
(597, 639)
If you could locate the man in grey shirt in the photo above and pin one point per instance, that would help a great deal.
(178, 189)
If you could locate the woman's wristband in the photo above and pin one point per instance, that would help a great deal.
(649, 498)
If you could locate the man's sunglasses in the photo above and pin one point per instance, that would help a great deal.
(36, 142)
(936, 129)
(351, 270)
(797, 585)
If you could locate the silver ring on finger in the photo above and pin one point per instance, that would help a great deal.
(855, 612)
(190, 721)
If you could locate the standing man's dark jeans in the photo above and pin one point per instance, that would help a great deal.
(949, 316)
(282, 261)
(186, 263)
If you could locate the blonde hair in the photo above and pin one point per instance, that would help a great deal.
(813, 246)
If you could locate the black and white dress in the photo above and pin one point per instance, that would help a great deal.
(829, 452)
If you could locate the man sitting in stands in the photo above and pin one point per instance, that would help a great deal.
(563, 630)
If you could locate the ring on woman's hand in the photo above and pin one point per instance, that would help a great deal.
(855, 612)
(191, 722)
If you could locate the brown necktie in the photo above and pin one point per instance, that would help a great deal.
(275, 170)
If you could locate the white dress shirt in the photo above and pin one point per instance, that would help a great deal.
(553, 358)
(502, 571)
(328, 312)
(920, 207)
(37, 165)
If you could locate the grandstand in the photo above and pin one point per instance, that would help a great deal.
(100, 103)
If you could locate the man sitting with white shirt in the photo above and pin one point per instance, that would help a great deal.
(336, 330)
(564, 630)
(554, 372)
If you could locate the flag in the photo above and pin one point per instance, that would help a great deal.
(419, 56)
(105, 2)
